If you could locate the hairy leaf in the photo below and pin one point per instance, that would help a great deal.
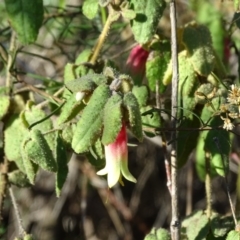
(14, 135)
(142, 94)
(18, 178)
(148, 14)
(151, 120)
(4, 106)
(90, 8)
(70, 109)
(82, 84)
(38, 151)
(112, 119)
(62, 160)
(134, 115)
(233, 235)
(188, 83)
(26, 17)
(196, 225)
(198, 42)
(29, 166)
(90, 124)
(156, 67)
(221, 225)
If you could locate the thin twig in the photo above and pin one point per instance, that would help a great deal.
(208, 186)
(175, 223)
(11, 58)
(15, 206)
(42, 93)
(3, 184)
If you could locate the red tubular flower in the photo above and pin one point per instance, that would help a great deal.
(116, 155)
(136, 63)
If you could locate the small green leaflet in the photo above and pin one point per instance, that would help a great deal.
(90, 8)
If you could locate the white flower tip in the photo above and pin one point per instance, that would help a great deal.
(79, 96)
(102, 172)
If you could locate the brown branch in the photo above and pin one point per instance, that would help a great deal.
(175, 223)
(3, 184)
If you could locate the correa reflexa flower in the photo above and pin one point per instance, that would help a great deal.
(136, 63)
(116, 155)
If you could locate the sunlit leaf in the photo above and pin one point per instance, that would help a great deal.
(90, 124)
(26, 18)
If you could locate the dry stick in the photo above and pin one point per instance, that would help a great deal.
(164, 143)
(15, 206)
(3, 184)
(11, 57)
(208, 186)
(175, 224)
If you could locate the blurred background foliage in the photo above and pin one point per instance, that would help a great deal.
(86, 208)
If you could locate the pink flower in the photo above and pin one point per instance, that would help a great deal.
(136, 63)
(116, 155)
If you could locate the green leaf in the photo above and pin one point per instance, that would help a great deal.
(148, 14)
(212, 18)
(29, 166)
(186, 141)
(34, 114)
(134, 115)
(62, 160)
(26, 18)
(18, 178)
(158, 234)
(221, 225)
(233, 235)
(38, 151)
(69, 72)
(112, 119)
(83, 84)
(90, 124)
(156, 67)
(142, 94)
(28, 237)
(198, 42)
(236, 5)
(67, 134)
(163, 234)
(90, 8)
(96, 155)
(196, 225)
(70, 109)
(188, 83)
(4, 106)
(14, 135)
(217, 148)
(151, 120)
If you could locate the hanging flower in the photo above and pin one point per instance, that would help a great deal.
(136, 63)
(116, 155)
